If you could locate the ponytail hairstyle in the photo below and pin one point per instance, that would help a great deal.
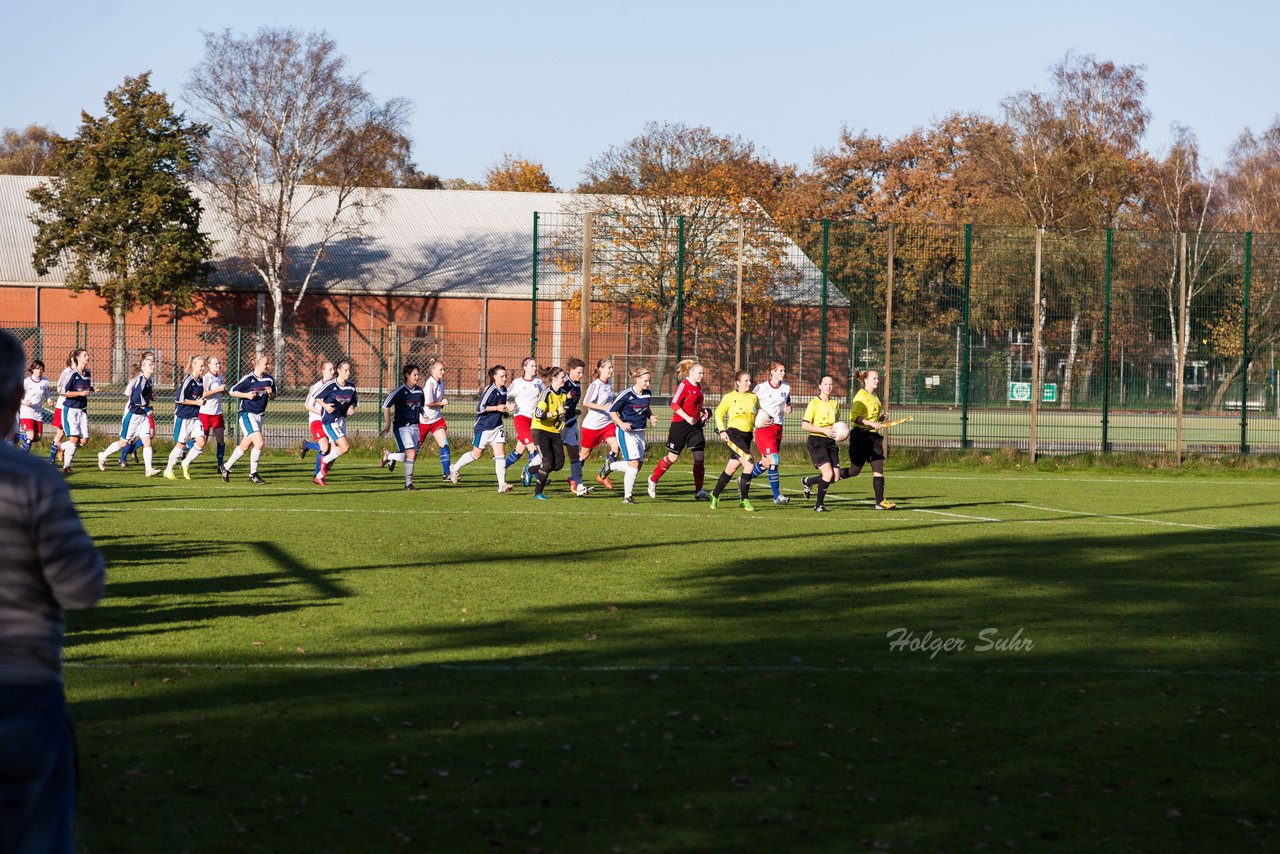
(137, 369)
(682, 368)
(773, 366)
(191, 364)
(861, 375)
(600, 363)
(75, 355)
(494, 370)
(549, 374)
(641, 371)
(740, 374)
(408, 369)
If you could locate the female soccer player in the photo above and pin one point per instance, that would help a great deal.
(75, 411)
(402, 411)
(319, 441)
(735, 417)
(186, 419)
(431, 418)
(866, 444)
(253, 391)
(775, 404)
(597, 426)
(569, 433)
(35, 393)
(339, 401)
(524, 392)
(490, 407)
(211, 419)
(823, 411)
(685, 430)
(630, 414)
(548, 417)
(136, 426)
(60, 387)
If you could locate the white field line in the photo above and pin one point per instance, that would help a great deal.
(1163, 522)
(474, 667)
(1189, 480)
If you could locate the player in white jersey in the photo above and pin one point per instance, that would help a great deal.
(319, 441)
(775, 403)
(35, 393)
(523, 395)
(431, 419)
(597, 426)
(211, 417)
(60, 386)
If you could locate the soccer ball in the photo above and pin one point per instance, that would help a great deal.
(763, 419)
(841, 431)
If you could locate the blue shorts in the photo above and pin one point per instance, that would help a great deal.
(37, 768)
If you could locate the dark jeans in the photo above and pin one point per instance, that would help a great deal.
(37, 770)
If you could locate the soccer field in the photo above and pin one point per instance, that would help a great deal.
(285, 667)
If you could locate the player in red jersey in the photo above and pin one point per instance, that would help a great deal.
(686, 429)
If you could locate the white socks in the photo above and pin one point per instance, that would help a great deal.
(408, 471)
(196, 450)
(629, 481)
(333, 454)
(466, 459)
(254, 456)
(500, 468)
(146, 456)
(236, 453)
(68, 451)
(398, 457)
(174, 456)
(112, 448)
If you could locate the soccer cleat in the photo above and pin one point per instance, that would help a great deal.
(806, 488)
(226, 474)
(628, 500)
(391, 465)
(453, 477)
(540, 497)
(583, 489)
(782, 499)
(701, 495)
(525, 477)
(324, 470)
(102, 462)
(604, 481)
(254, 478)
(886, 505)
(746, 504)
(152, 472)
(573, 485)
(318, 480)
(505, 488)
(186, 471)
(135, 457)
(126, 465)
(715, 502)
(169, 475)
(66, 470)
(409, 487)
(820, 508)
(383, 463)
(653, 487)
(445, 478)
(302, 452)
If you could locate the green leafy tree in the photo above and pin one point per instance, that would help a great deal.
(120, 216)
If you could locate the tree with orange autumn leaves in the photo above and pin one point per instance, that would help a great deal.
(517, 175)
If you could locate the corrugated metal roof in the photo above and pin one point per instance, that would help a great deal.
(420, 242)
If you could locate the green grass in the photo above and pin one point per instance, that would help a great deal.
(358, 668)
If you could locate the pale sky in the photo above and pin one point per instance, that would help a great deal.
(559, 82)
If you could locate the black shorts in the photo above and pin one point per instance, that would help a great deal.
(741, 439)
(685, 435)
(865, 446)
(823, 450)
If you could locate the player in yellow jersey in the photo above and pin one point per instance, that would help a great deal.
(735, 419)
(823, 412)
(548, 419)
(866, 444)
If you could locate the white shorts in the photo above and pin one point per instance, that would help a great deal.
(570, 436)
(408, 438)
(27, 413)
(75, 422)
(336, 429)
(631, 444)
(496, 436)
(134, 426)
(249, 423)
(186, 429)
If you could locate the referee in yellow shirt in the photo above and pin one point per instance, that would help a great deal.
(866, 444)
(823, 412)
(735, 419)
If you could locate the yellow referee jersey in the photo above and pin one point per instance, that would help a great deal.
(739, 409)
(865, 406)
(822, 413)
(550, 410)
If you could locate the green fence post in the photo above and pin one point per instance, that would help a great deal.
(679, 288)
(1244, 347)
(826, 237)
(964, 365)
(533, 332)
(1106, 353)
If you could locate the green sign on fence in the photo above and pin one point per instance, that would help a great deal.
(1020, 392)
(1049, 393)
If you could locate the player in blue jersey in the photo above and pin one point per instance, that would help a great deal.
(570, 434)
(403, 407)
(338, 401)
(186, 418)
(490, 407)
(75, 410)
(136, 424)
(253, 391)
(631, 414)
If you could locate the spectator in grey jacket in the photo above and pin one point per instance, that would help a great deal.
(47, 563)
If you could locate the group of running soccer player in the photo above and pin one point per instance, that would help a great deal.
(546, 408)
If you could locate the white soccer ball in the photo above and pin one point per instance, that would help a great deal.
(841, 431)
(763, 419)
